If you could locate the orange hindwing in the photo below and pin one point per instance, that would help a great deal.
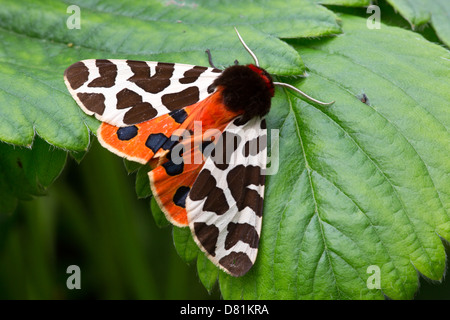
(187, 131)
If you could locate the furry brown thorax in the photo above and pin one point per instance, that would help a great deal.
(246, 88)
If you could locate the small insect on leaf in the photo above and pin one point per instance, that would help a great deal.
(364, 99)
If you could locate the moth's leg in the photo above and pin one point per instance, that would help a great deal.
(210, 59)
(208, 52)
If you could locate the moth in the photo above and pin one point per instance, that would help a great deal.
(202, 130)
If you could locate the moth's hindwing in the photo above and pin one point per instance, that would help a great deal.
(142, 141)
(225, 204)
(172, 180)
(127, 92)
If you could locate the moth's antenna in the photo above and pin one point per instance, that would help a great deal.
(303, 94)
(210, 58)
(282, 83)
(247, 48)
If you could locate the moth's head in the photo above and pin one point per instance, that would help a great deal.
(268, 80)
(246, 89)
(265, 76)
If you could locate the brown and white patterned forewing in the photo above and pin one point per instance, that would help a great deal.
(225, 204)
(126, 92)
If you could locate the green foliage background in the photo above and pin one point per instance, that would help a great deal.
(359, 184)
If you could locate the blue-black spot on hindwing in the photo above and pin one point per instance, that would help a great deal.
(180, 196)
(127, 133)
(155, 141)
(179, 115)
(170, 143)
(172, 167)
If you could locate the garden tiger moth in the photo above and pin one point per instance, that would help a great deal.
(215, 185)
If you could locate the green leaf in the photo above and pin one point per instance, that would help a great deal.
(158, 215)
(285, 19)
(26, 172)
(184, 244)
(207, 272)
(131, 166)
(347, 3)
(420, 12)
(78, 156)
(359, 185)
(143, 183)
